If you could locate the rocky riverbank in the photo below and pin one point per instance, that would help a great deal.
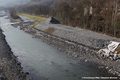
(10, 68)
(79, 52)
(78, 43)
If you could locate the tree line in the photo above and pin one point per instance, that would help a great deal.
(97, 15)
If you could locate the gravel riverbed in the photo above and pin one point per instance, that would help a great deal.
(79, 44)
(80, 52)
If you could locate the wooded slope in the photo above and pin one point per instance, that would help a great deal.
(97, 15)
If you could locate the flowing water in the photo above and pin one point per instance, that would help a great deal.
(43, 61)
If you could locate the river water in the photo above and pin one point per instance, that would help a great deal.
(43, 61)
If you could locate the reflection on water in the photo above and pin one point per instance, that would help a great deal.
(43, 61)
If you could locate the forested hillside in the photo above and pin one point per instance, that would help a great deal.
(97, 15)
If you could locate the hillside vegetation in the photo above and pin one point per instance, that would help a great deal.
(97, 15)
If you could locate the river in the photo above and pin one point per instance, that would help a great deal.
(43, 61)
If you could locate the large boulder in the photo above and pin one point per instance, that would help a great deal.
(54, 21)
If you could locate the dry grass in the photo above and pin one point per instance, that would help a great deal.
(37, 19)
(33, 17)
(50, 30)
(34, 25)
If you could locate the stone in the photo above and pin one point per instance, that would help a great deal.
(54, 21)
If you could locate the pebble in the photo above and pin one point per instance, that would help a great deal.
(106, 67)
(76, 56)
(86, 60)
(27, 73)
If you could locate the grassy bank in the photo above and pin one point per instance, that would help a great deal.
(33, 17)
(37, 20)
